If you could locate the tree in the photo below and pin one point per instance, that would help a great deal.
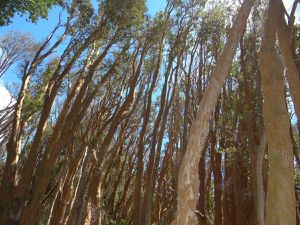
(35, 9)
(15, 46)
(188, 182)
(125, 118)
(279, 209)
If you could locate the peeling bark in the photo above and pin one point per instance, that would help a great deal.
(188, 183)
(280, 206)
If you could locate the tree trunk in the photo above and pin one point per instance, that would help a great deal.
(280, 206)
(216, 158)
(8, 214)
(66, 193)
(188, 183)
(292, 71)
(260, 181)
(201, 201)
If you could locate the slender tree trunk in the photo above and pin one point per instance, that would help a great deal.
(66, 194)
(201, 202)
(188, 183)
(74, 214)
(229, 212)
(217, 159)
(280, 206)
(52, 215)
(9, 179)
(140, 164)
(293, 76)
(260, 197)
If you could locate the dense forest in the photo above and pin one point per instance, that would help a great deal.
(187, 117)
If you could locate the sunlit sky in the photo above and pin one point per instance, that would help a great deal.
(44, 27)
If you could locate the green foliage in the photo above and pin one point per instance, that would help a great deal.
(44, 217)
(123, 222)
(18, 44)
(125, 14)
(213, 27)
(34, 98)
(84, 11)
(109, 222)
(32, 105)
(297, 39)
(34, 8)
(14, 47)
(297, 176)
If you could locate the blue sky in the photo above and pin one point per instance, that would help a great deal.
(43, 27)
(39, 31)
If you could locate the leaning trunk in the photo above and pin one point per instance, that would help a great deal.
(188, 183)
(280, 206)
